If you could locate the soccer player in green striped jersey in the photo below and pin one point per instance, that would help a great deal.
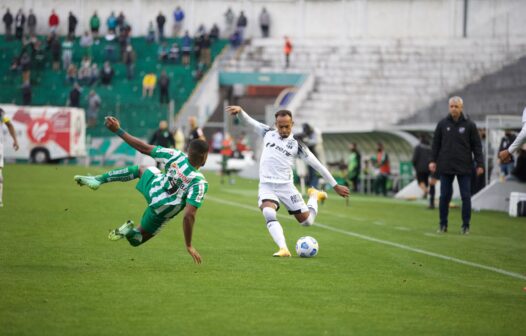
(182, 186)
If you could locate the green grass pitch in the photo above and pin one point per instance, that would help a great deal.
(381, 269)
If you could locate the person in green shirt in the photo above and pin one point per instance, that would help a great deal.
(180, 187)
(354, 165)
(94, 24)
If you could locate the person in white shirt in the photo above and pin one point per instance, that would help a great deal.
(280, 149)
(505, 155)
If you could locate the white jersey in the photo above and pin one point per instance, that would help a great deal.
(521, 137)
(3, 120)
(279, 154)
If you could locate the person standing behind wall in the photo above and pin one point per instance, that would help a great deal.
(287, 50)
(456, 141)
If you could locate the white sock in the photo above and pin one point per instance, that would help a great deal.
(274, 227)
(312, 204)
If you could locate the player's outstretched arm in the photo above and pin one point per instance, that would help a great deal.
(258, 127)
(188, 227)
(114, 125)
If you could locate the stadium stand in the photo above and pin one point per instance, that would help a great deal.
(374, 83)
(122, 98)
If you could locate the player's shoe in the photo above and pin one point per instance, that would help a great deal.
(121, 232)
(464, 230)
(89, 181)
(283, 252)
(322, 195)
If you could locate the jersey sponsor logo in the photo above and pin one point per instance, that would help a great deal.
(448, 128)
(278, 148)
(461, 130)
(290, 144)
(180, 173)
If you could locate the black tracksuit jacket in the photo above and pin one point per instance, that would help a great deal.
(456, 145)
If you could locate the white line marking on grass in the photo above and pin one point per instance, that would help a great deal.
(385, 242)
(432, 234)
(378, 222)
(402, 228)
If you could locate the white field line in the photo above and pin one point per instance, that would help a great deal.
(383, 242)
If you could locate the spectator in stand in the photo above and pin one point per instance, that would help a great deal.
(236, 39)
(206, 50)
(74, 96)
(173, 54)
(164, 87)
(150, 34)
(53, 21)
(420, 161)
(94, 24)
(201, 30)
(163, 137)
(214, 33)
(67, 52)
(148, 84)
(382, 170)
(8, 24)
(161, 20)
(121, 22)
(26, 93)
(71, 74)
(84, 75)
(111, 23)
(287, 50)
(20, 21)
(178, 21)
(230, 19)
(186, 48)
(94, 103)
(354, 166)
(55, 52)
(264, 22)
(86, 41)
(25, 66)
(129, 60)
(31, 23)
(94, 74)
(242, 23)
(106, 74)
(72, 24)
(163, 51)
(198, 44)
(505, 142)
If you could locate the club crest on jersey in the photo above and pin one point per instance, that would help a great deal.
(290, 144)
(461, 130)
(448, 128)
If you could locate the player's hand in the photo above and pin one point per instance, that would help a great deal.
(233, 110)
(15, 146)
(112, 124)
(480, 171)
(504, 156)
(432, 167)
(342, 190)
(195, 255)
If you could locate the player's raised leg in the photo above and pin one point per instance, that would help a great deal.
(307, 218)
(119, 174)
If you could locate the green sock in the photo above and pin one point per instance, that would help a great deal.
(119, 174)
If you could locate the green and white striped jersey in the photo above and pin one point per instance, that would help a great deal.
(180, 184)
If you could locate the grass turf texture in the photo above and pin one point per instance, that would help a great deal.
(60, 275)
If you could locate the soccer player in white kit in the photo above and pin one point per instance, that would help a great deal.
(505, 155)
(5, 120)
(276, 185)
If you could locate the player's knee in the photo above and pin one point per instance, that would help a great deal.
(135, 238)
(269, 214)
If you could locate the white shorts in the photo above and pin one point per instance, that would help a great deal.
(282, 192)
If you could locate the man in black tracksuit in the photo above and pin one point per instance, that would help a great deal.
(455, 143)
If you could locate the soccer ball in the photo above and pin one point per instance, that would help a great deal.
(307, 247)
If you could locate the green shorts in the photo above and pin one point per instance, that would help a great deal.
(152, 221)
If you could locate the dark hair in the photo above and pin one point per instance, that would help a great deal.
(283, 113)
(197, 149)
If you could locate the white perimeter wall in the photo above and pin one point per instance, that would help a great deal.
(306, 18)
